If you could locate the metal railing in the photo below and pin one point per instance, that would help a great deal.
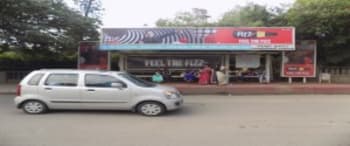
(336, 70)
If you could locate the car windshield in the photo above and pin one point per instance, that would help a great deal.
(137, 81)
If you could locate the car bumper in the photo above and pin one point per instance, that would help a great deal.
(174, 104)
(18, 101)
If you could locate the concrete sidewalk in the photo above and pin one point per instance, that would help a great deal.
(8, 88)
(273, 88)
(242, 89)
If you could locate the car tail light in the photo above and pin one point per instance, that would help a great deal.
(18, 90)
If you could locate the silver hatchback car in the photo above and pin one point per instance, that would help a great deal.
(42, 90)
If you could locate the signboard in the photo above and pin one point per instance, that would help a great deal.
(90, 57)
(302, 62)
(209, 38)
(183, 62)
(247, 61)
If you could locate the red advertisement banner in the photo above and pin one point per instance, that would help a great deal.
(302, 62)
(92, 58)
(252, 36)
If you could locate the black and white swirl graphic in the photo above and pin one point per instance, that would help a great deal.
(155, 35)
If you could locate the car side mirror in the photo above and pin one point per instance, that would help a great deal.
(117, 85)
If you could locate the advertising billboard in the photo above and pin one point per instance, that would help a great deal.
(208, 38)
(90, 57)
(301, 62)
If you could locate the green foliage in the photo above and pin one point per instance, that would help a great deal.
(251, 15)
(195, 18)
(326, 21)
(90, 8)
(23, 61)
(43, 29)
(11, 55)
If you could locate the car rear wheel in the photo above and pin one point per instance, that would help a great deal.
(151, 108)
(34, 107)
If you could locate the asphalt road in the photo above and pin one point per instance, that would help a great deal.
(280, 120)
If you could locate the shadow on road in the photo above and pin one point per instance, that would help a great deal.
(184, 111)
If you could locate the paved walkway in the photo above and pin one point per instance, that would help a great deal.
(8, 88)
(246, 88)
(273, 88)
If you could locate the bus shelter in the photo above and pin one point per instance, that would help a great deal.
(244, 51)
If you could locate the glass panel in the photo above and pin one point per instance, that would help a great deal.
(100, 80)
(137, 81)
(35, 79)
(62, 80)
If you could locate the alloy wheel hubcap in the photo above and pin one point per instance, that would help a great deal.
(151, 109)
(34, 107)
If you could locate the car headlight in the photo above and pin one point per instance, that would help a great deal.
(171, 94)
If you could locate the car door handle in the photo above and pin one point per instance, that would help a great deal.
(90, 90)
(48, 88)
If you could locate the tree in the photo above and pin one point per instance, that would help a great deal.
(279, 15)
(326, 21)
(195, 18)
(90, 8)
(44, 27)
(250, 15)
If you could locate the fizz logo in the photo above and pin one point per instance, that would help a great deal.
(253, 34)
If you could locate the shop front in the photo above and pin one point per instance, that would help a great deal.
(244, 51)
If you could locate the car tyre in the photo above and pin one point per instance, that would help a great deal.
(151, 108)
(34, 107)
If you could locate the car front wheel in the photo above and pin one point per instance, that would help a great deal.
(151, 108)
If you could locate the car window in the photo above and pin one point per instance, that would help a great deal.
(95, 80)
(62, 80)
(34, 81)
(137, 81)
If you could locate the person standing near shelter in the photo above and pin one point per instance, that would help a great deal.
(189, 75)
(157, 78)
(214, 77)
(166, 74)
(221, 76)
(204, 75)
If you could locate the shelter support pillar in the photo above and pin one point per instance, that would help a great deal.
(109, 63)
(290, 80)
(121, 62)
(268, 68)
(304, 80)
(227, 65)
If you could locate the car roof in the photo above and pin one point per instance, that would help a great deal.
(76, 71)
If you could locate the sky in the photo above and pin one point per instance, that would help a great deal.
(137, 13)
